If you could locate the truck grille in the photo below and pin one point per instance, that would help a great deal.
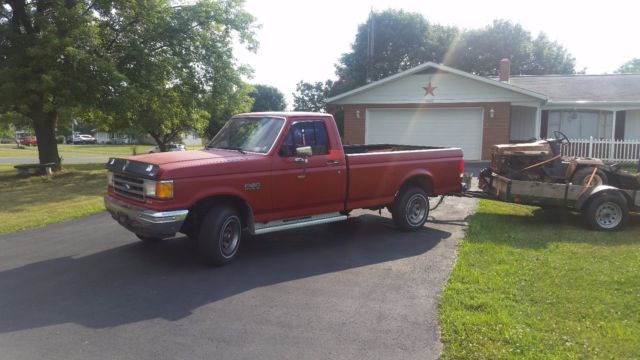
(128, 186)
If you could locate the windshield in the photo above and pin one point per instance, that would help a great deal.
(254, 134)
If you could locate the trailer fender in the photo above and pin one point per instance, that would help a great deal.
(592, 192)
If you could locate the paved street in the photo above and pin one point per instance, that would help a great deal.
(358, 289)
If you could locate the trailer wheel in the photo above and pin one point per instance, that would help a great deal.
(411, 209)
(606, 212)
(582, 176)
(220, 235)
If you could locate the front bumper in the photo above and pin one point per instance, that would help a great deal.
(143, 221)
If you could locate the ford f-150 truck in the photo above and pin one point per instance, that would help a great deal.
(271, 171)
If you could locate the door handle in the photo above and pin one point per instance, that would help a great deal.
(333, 162)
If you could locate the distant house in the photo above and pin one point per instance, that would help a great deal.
(437, 105)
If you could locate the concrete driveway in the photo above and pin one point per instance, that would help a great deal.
(87, 289)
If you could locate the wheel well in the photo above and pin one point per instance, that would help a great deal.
(421, 181)
(199, 210)
(621, 194)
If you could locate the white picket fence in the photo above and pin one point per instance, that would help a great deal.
(618, 151)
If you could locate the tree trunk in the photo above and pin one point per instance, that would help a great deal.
(159, 141)
(44, 124)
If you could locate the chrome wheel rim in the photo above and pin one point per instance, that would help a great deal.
(416, 210)
(608, 215)
(230, 236)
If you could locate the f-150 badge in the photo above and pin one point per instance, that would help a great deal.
(252, 186)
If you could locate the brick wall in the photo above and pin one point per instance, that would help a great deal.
(496, 130)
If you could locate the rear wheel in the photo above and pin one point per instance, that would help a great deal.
(220, 235)
(411, 209)
(582, 176)
(606, 212)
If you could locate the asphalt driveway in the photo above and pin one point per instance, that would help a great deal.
(358, 289)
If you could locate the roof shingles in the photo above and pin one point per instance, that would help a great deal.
(573, 88)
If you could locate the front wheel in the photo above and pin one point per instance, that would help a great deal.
(220, 235)
(411, 209)
(606, 212)
(148, 239)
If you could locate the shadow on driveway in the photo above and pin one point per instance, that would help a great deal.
(136, 282)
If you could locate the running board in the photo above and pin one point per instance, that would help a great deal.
(272, 226)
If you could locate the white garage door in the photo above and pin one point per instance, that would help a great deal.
(460, 127)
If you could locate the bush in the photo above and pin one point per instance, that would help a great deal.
(60, 139)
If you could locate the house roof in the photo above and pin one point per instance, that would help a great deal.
(614, 88)
(443, 68)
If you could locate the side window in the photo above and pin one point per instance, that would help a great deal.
(306, 133)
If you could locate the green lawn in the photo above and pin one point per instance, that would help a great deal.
(76, 151)
(40, 200)
(536, 284)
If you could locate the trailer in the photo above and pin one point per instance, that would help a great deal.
(604, 207)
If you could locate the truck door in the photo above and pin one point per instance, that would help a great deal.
(308, 185)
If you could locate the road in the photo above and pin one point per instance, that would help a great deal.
(87, 289)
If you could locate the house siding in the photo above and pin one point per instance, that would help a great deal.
(449, 88)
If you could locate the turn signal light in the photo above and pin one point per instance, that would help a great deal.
(164, 190)
(159, 189)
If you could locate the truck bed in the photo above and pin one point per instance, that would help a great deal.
(377, 171)
(362, 149)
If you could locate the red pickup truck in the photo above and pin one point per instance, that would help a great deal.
(271, 171)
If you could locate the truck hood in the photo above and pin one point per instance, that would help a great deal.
(191, 155)
(207, 162)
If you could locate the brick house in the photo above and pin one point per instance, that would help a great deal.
(437, 105)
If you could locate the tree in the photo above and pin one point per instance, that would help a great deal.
(49, 61)
(236, 100)
(178, 63)
(149, 64)
(389, 42)
(630, 67)
(267, 98)
(480, 51)
(404, 40)
(311, 96)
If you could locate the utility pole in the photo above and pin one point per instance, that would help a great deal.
(370, 45)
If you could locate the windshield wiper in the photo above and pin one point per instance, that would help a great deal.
(236, 149)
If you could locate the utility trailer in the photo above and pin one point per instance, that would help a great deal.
(604, 207)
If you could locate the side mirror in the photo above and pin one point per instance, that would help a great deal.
(304, 151)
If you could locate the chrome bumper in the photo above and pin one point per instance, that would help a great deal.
(144, 221)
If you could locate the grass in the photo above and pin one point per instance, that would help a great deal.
(534, 284)
(40, 200)
(76, 151)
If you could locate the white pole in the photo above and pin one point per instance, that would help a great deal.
(590, 146)
(538, 122)
(613, 137)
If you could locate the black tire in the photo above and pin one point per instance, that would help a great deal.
(606, 212)
(148, 239)
(220, 235)
(411, 209)
(582, 176)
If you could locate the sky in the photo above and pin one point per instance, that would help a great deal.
(302, 40)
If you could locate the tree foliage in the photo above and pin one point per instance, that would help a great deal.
(402, 40)
(267, 98)
(399, 41)
(630, 67)
(480, 52)
(311, 96)
(150, 65)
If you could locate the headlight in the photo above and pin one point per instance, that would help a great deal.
(159, 189)
(109, 178)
